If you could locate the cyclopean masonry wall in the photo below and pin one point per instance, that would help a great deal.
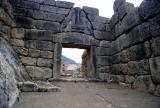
(135, 45)
(124, 48)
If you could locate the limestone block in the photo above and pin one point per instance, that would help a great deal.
(48, 8)
(149, 8)
(62, 11)
(156, 46)
(64, 4)
(139, 33)
(103, 61)
(21, 50)
(114, 20)
(117, 4)
(34, 53)
(102, 35)
(129, 79)
(154, 26)
(28, 86)
(101, 51)
(39, 73)
(140, 68)
(17, 33)
(47, 25)
(40, 45)
(104, 76)
(139, 51)
(120, 78)
(38, 35)
(131, 19)
(17, 42)
(48, 2)
(5, 17)
(41, 62)
(157, 91)
(144, 83)
(105, 69)
(46, 54)
(155, 69)
(123, 41)
(116, 58)
(99, 26)
(106, 44)
(28, 60)
(116, 69)
(24, 22)
(99, 19)
(124, 56)
(124, 9)
(90, 10)
(25, 4)
(41, 15)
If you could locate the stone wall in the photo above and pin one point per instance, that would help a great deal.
(40, 24)
(135, 33)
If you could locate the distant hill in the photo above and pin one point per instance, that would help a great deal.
(68, 60)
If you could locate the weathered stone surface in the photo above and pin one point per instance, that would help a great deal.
(46, 54)
(48, 16)
(25, 4)
(114, 20)
(34, 53)
(17, 33)
(99, 19)
(21, 50)
(139, 33)
(105, 69)
(17, 42)
(28, 86)
(24, 22)
(106, 44)
(103, 61)
(124, 56)
(117, 4)
(41, 62)
(104, 76)
(64, 4)
(139, 51)
(120, 78)
(77, 21)
(47, 25)
(101, 51)
(39, 73)
(155, 69)
(131, 19)
(28, 61)
(102, 35)
(129, 79)
(48, 2)
(140, 68)
(38, 35)
(90, 10)
(5, 17)
(157, 91)
(149, 8)
(144, 83)
(156, 46)
(123, 41)
(40, 45)
(154, 26)
(75, 38)
(99, 26)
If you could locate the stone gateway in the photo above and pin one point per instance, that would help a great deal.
(123, 49)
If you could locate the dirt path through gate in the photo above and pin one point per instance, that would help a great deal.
(88, 95)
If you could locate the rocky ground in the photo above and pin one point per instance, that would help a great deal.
(88, 95)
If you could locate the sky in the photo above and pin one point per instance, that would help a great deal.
(105, 9)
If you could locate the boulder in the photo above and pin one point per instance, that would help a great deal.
(155, 69)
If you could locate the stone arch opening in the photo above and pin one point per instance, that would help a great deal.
(75, 40)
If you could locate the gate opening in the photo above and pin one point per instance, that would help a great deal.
(75, 63)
